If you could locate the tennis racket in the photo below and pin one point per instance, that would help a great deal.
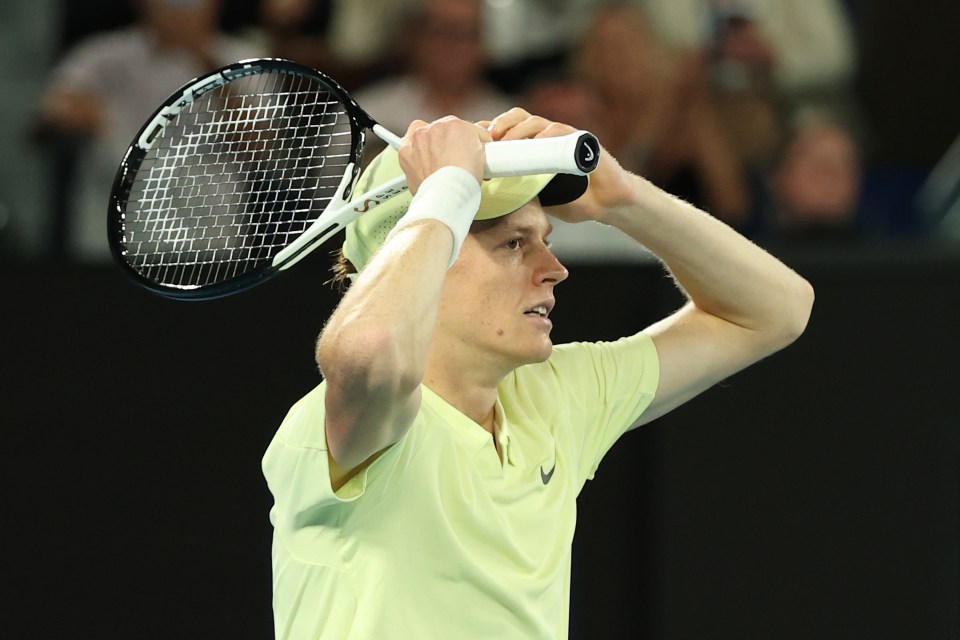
(241, 173)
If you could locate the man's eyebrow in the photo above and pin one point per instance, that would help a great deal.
(528, 229)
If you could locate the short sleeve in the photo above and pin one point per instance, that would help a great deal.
(591, 393)
(296, 466)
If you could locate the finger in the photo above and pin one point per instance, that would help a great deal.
(484, 133)
(416, 124)
(536, 127)
(456, 124)
(555, 129)
(506, 121)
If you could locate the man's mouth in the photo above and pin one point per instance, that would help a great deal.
(539, 310)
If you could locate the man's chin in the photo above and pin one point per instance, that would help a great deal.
(533, 356)
(543, 354)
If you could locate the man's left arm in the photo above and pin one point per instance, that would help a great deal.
(743, 303)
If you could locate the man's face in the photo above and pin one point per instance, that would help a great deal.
(499, 293)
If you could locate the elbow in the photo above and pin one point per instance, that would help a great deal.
(368, 387)
(796, 316)
(369, 361)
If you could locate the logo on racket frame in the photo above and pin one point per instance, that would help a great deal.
(370, 203)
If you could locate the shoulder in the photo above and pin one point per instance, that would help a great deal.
(579, 369)
(629, 350)
(303, 424)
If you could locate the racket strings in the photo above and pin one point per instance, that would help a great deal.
(236, 177)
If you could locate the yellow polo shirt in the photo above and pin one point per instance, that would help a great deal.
(438, 538)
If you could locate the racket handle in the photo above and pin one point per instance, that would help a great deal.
(576, 153)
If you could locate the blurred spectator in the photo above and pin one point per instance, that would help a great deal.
(937, 195)
(528, 38)
(362, 32)
(648, 105)
(297, 30)
(302, 30)
(519, 35)
(105, 88)
(564, 98)
(443, 71)
(658, 119)
(763, 52)
(816, 186)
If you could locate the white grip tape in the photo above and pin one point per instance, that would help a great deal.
(530, 157)
(450, 195)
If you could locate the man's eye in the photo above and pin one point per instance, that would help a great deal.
(513, 244)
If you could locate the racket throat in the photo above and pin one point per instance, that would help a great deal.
(324, 226)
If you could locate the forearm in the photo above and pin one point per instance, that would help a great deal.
(373, 350)
(720, 271)
(384, 323)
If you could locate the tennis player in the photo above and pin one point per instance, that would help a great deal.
(427, 487)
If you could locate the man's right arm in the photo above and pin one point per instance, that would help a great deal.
(373, 350)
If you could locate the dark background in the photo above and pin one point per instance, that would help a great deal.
(814, 495)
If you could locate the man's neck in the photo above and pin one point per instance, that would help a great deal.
(469, 387)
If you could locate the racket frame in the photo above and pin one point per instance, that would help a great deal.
(576, 153)
(166, 114)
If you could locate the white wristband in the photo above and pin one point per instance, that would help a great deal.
(450, 195)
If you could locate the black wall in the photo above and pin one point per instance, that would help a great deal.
(815, 495)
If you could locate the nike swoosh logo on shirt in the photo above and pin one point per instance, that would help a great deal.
(545, 477)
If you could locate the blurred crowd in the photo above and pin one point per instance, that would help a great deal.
(746, 108)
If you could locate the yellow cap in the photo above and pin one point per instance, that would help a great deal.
(498, 197)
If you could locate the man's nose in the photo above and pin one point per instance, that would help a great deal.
(551, 270)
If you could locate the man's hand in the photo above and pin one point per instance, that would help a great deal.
(610, 184)
(445, 142)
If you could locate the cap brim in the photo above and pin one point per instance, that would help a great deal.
(563, 188)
